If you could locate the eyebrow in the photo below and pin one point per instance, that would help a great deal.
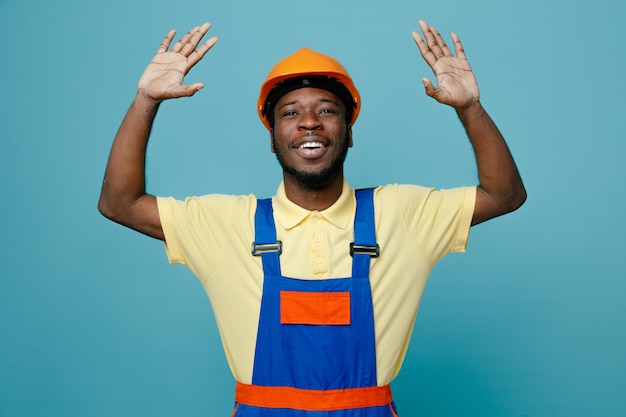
(322, 100)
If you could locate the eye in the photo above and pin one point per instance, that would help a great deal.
(289, 113)
(328, 111)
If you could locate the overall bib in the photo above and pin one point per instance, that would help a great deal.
(316, 350)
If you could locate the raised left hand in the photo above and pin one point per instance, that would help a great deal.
(456, 84)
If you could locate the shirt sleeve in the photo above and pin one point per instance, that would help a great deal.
(197, 228)
(437, 221)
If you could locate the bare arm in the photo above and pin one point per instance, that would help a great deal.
(500, 188)
(123, 198)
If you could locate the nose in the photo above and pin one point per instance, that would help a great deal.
(309, 121)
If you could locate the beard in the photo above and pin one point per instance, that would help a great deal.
(315, 180)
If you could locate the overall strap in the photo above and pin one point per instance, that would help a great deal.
(364, 246)
(265, 243)
(362, 249)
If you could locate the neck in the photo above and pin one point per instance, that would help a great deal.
(313, 198)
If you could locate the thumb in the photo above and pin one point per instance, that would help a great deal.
(187, 90)
(429, 87)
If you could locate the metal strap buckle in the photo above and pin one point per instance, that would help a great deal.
(260, 248)
(372, 251)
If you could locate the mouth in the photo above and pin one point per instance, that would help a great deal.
(312, 149)
(312, 145)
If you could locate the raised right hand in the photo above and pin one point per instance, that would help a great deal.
(163, 77)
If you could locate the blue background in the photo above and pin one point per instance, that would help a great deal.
(93, 322)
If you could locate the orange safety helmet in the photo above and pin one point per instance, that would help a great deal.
(303, 63)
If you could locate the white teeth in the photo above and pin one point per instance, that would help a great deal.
(311, 145)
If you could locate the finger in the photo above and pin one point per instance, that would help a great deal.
(431, 40)
(184, 90)
(423, 25)
(195, 38)
(178, 46)
(444, 47)
(184, 42)
(458, 46)
(430, 89)
(199, 53)
(204, 28)
(425, 51)
(165, 44)
(192, 89)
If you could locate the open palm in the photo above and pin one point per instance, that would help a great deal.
(163, 77)
(456, 83)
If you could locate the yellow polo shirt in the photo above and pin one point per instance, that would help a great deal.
(415, 228)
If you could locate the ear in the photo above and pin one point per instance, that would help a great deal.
(272, 141)
(349, 136)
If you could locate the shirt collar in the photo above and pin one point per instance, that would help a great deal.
(290, 214)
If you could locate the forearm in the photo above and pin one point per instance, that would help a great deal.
(500, 188)
(124, 178)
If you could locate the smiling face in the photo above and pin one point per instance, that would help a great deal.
(311, 137)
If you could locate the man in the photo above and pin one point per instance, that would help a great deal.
(298, 340)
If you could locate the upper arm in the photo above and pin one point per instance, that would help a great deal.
(481, 207)
(142, 215)
(489, 206)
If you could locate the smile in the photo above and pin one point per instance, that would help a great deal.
(311, 145)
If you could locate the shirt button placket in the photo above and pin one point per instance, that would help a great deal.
(318, 251)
